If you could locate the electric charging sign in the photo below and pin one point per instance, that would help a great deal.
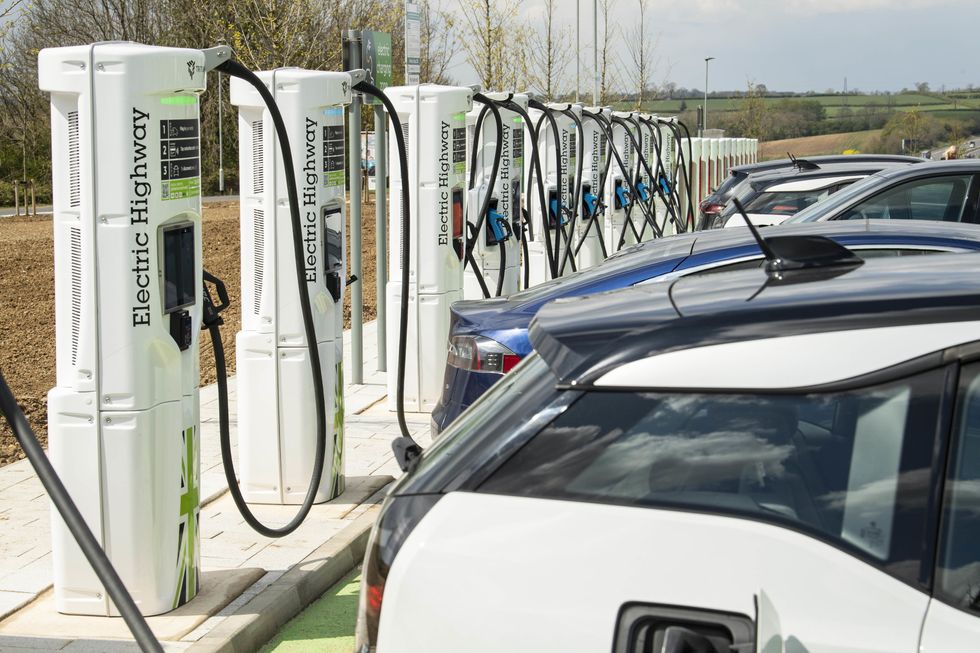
(376, 59)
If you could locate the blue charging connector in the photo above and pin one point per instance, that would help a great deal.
(642, 190)
(499, 230)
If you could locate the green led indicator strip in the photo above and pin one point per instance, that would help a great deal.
(178, 100)
(459, 116)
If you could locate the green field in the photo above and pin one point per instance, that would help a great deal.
(833, 104)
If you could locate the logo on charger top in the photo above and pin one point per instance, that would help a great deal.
(193, 67)
(345, 87)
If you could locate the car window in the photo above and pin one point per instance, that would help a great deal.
(936, 198)
(958, 564)
(786, 202)
(841, 199)
(751, 264)
(845, 466)
(892, 252)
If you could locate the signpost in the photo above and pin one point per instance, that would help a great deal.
(413, 43)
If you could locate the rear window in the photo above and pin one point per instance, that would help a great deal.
(852, 468)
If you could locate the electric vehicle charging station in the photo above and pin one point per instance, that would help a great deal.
(276, 416)
(123, 417)
(502, 227)
(619, 196)
(645, 184)
(558, 156)
(433, 120)
(590, 228)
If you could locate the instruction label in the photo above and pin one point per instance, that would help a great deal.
(180, 158)
(459, 150)
(333, 156)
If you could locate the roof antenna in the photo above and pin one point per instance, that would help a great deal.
(763, 245)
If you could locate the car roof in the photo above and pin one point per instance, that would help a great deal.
(760, 179)
(717, 239)
(584, 338)
(750, 168)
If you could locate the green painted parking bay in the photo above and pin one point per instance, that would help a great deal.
(326, 626)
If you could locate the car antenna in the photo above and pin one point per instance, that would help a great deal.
(798, 252)
(771, 258)
(802, 164)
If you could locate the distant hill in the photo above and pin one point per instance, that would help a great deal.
(815, 145)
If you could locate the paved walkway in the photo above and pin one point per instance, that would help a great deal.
(227, 543)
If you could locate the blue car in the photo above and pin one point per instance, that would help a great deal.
(489, 337)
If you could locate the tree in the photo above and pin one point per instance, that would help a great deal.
(607, 58)
(494, 42)
(752, 119)
(641, 49)
(922, 87)
(439, 44)
(550, 54)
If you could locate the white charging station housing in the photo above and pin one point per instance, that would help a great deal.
(506, 195)
(123, 417)
(276, 410)
(617, 186)
(565, 169)
(433, 120)
(588, 230)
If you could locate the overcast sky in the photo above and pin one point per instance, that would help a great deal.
(798, 45)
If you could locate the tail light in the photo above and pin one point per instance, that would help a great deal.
(711, 208)
(399, 517)
(481, 354)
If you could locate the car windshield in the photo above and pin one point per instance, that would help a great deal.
(837, 200)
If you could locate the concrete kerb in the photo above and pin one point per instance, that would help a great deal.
(256, 622)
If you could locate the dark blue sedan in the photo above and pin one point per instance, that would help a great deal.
(489, 337)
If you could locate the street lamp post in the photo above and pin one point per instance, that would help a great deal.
(704, 109)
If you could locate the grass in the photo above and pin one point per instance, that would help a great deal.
(816, 145)
(832, 103)
(326, 626)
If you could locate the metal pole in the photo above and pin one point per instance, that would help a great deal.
(595, 53)
(354, 149)
(704, 111)
(578, 41)
(221, 142)
(380, 229)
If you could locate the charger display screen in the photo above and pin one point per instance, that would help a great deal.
(179, 280)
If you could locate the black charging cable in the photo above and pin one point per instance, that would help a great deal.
(235, 69)
(407, 450)
(69, 512)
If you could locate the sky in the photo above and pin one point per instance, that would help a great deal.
(795, 45)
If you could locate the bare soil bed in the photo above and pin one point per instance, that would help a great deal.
(27, 347)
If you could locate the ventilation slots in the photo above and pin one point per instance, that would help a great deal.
(75, 238)
(74, 173)
(258, 158)
(401, 243)
(258, 235)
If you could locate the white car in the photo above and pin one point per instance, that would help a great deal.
(784, 200)
(765, 460)
(772, 197)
